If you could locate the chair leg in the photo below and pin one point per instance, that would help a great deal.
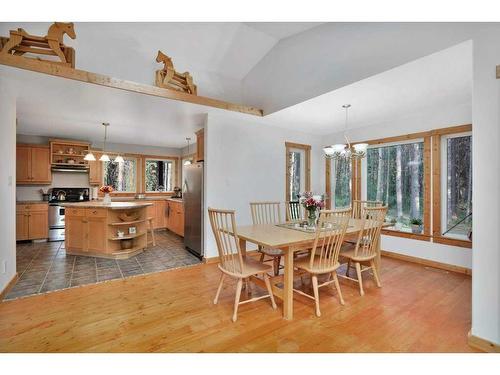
(276, 265)
(269, 290)
(261, 257)
(375, 274)
(219, 288)
(348, 266)
(237, 299)
(316, 293)
(152, 233)
(360, 280)
(337, 286)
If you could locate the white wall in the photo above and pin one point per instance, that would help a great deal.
(7, 184)
(432, 119)
(486, 188)
(244, 162)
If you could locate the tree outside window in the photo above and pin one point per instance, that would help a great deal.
(121, 176)
(159, 175)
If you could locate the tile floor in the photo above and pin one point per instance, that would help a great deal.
(45, 266)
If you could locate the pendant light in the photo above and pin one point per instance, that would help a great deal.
(344, 150)
(104, 156)
(187, 162)
(89, 156)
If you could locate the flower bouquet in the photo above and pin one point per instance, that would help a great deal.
(312, 204)
(106, 189)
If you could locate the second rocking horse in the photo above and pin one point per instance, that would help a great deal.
(20, 43)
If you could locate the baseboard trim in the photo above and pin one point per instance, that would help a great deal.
(482, 344)
(216, 259)
(427, 262)
(9, 286)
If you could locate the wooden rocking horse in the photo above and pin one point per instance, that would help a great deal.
(168, 78)
(20, 42)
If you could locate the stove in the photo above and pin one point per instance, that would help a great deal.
(56, 211)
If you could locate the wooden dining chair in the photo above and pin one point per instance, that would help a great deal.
(358, 206)
(364, 251)
(231, 261)
(268, 213)
(294, 211)
(324, 254)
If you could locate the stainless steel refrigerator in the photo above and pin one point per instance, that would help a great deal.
(192, 194)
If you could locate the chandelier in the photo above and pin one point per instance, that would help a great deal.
(345, 150)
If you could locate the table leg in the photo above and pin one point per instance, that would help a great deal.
(243, 247)
(288, 286)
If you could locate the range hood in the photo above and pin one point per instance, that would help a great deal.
(76, 168)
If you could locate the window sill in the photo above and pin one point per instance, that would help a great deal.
(426, 237)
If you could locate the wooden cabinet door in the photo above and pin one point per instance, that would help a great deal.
(200, 145)
(181, 221)
(23, 164)
(166, 214)
(160, 214)
(40, 165)
(95, 170)
(96, 234)
(38, 225)
(22, 225)
(76, 233)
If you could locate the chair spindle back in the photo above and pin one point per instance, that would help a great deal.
(330, 233)
(266, 212)
(373, 219)
(358, 206)
(294, 211)
(224, 229)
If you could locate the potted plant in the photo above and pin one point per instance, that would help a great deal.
(416, 225)
(312, 205)
(106, 189)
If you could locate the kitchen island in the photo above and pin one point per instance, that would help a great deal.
(116, 230)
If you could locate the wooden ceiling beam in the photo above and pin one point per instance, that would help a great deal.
(121, 84)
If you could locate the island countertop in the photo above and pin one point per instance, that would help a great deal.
(111, 206)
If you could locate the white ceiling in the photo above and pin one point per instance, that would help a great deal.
(443, 79)
(217, 54)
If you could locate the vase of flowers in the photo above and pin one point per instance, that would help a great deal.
(106, 189)
(312, 204)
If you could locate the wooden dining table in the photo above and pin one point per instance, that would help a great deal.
(290, 241)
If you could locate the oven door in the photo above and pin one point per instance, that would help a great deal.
(56, 216)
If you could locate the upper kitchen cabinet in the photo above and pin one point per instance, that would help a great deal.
(95, 170)
(33, 165)
(200, 145)
(68, 153)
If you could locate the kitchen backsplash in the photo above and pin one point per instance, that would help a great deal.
(32, 192)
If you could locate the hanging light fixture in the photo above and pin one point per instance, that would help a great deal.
(187, 162)
(104, 156)
(89, 156)
(345, 150)
(119, 159)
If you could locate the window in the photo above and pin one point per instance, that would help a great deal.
(395, 176)
(456, 185)
(121, 176)
(159, 175)
(298, 170)
(342, 183)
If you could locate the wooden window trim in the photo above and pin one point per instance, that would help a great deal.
(432, 166)
(436, 188)
(307, 149)
(175, 159)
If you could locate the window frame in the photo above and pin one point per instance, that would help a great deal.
(289, 146)
(175, 170)
(437, 156)
(137, 174)
(426, 157)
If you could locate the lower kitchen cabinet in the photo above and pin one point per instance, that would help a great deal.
(175, 217)
(32, 221)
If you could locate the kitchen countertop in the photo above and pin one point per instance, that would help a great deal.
(112, 205)
(124, 199)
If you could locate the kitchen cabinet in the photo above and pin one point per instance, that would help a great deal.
(157, 212)
(200, 145)
(32, 221)
(95, 170)
(175, 217)
(33, 164)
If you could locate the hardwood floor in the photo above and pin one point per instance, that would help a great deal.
(418, 309)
